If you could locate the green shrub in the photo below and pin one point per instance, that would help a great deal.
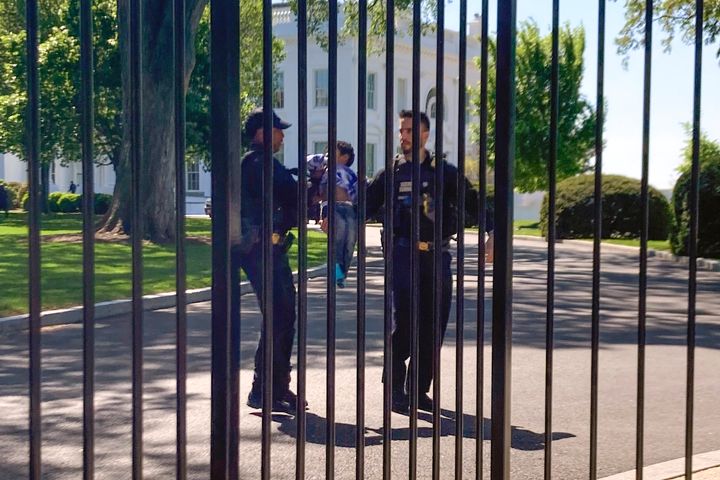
(25, 202)
(69, 202)
(621, 209)
(708, 217)
(53, 201)
(102, 203)
(16, 192)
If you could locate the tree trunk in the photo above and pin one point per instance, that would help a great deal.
(157, 172)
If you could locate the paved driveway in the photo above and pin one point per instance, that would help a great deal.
(666, 357)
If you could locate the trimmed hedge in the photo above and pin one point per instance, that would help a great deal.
(54, 200)
(69, 202)
(16, 192)
(102, 203)
(708, 217)
(621, 209)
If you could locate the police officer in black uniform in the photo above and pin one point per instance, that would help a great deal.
(402, 287)
(248, 255)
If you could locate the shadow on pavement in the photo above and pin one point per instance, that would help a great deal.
(345, 434)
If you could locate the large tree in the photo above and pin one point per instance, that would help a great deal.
(577, 119)
(60, 84)
(674, 16)
(59, 56)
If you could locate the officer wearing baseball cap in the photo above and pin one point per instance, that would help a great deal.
(248, 255)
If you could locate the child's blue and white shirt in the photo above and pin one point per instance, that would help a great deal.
(346, 179)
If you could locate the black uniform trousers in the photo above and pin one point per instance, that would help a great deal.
(283, 302)
(402, 321)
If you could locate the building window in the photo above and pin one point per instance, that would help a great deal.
(369, 159)
(53, 178)
(370, 91)
(321, 88)
(319, 147)
(193, 176)
(278, 90)
(401, 94)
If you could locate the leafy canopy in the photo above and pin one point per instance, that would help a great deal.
(577, 119)
(676, 17)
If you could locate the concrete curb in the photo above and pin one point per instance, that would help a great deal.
(124, 306)
(702, 263)
(673, 468)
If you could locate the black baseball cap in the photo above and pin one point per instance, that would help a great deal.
(255, 121)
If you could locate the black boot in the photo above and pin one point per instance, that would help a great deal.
(400, 401)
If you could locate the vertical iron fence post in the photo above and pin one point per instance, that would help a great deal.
(362, 250)
(415, 239)
(552, 162)
(225, 151)
(86, 136)
(502, 272)
(302, 239)
(267, 252)
(438, 234)
(482, 206)
(136, 154)
(645, 216)
(692, 250)
(34, 290)
(180, 256)
(387, 234)
(597, 235)
(332, 254)
(460, 302)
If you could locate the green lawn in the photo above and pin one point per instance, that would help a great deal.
(532, 228)
(62, 263)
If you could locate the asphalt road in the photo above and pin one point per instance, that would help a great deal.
(665, 401)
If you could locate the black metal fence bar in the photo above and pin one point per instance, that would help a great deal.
(180, 262)
(502, 271)
(482, 205)
(460, 302)
(362, 248)
(267, 245)
(388, 238)
(414, 239)
(86, 140)
(552, 162)
(34, 290)
(597, 235)
(692, 247)
(302, 241)
(225, 151)
(332, 253)
(438, 234)
(642, 290)
(136, 233)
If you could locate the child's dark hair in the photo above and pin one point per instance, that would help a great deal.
(346, 149)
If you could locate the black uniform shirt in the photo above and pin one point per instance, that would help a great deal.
(403, 200)
(285, 207)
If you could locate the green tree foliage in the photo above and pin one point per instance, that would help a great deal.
(251, 76)
(59, 73)
(709, 194)
(676, 17)
(59, 54)
(576, 123)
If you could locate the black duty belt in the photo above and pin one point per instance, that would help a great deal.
(421, 245)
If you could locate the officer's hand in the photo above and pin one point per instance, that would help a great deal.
(324, 225)
(490, 248)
